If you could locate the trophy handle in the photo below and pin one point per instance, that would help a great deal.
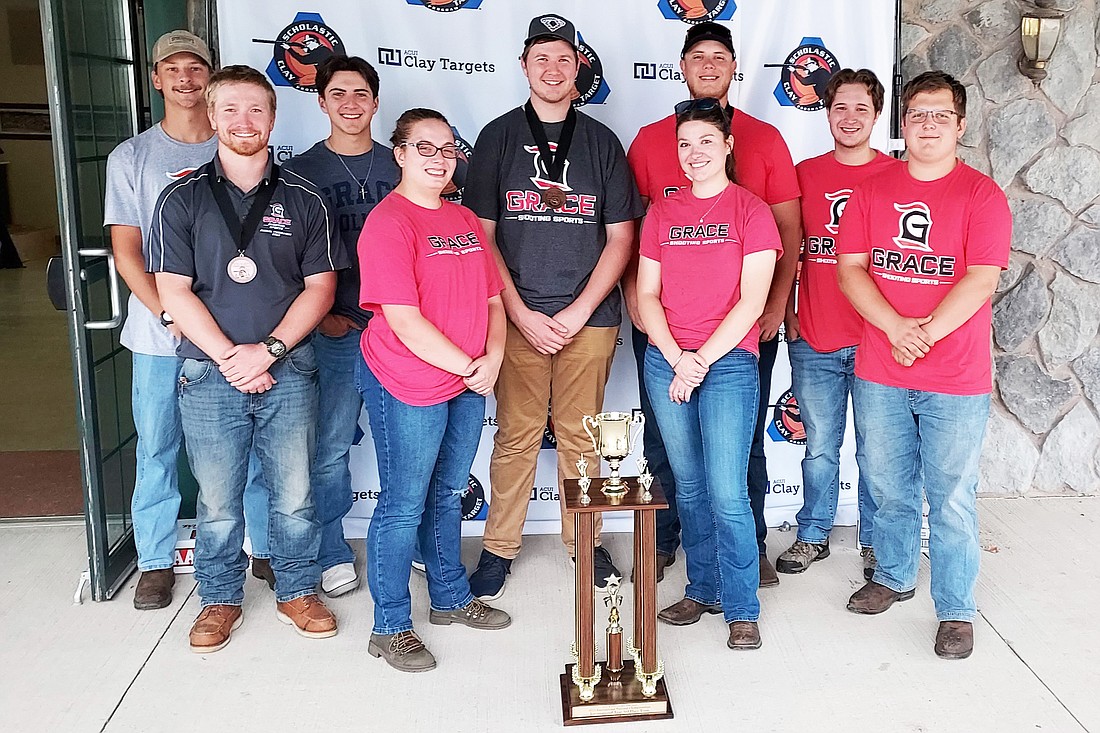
(639, 420)
(595, 443)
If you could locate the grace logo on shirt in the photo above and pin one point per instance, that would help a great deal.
(804, 74)
(697, 11)
(914, 224)
(837, 201)
(446, 6)
(275, 222)
(541, 179)
(299, 49)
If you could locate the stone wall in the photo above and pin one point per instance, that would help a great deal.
(1043, 147)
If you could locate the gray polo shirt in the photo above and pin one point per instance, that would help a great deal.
(295, 239)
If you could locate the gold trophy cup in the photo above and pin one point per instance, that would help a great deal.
(613, 441)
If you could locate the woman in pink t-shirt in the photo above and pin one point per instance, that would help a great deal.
(430, 355)
(707, 255)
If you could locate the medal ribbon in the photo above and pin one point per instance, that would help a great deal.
(243, 233)
(555, 162)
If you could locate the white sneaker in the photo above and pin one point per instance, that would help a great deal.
(339, 579)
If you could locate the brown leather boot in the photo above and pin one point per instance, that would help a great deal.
(309, 616)
(686, 612)
(744, 635)
(213, 627)
(954, 639)
(154, 589)
(663, 561)
(874, 598)
(768, 576)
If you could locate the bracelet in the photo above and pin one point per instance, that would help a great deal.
(682, 352)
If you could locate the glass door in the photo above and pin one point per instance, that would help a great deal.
(93, 65)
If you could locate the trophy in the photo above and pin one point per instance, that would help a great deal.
(613, 442)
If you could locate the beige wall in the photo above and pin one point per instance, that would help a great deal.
(31, 172)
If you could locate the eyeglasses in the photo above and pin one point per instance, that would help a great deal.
(428, 150)
(939, 116)
(703, 104)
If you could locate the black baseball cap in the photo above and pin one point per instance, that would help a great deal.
(551, 27)
(708, 32)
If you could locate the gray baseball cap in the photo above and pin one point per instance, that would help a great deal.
(174, 42)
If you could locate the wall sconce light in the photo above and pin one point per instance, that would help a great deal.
(1040, 29)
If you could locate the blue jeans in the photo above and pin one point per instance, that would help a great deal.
(708, 440)
(653, 446)
(908, 434)
(156, 502)
(424, 457)
(822, 383)
(223, 426)
(758, 462)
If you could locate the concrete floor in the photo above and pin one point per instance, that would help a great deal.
(106, 667)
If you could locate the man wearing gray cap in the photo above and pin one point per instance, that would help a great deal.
(137, 171)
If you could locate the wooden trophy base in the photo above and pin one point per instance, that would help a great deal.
(613, 703)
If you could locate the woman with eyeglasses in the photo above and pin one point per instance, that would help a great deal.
(430, 355)
(707, 255)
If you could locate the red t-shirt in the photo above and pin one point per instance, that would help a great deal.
(827, 320)
(700, 244)
(434, 259)
(762, 161)
(921, 236)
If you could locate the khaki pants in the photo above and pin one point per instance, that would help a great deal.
(572, 381)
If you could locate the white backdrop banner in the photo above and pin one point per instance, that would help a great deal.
(461, 58)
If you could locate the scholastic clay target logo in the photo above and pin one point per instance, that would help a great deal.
(592, 87)
(787, 420)
(697, 11)
(299, 49)
(549, 440)
(804, 74)
(454, 189)
(446, 6)
(473, 499)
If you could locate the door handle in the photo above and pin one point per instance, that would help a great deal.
(112, 285)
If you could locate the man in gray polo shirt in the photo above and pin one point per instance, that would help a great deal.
(244, 256)
(137, 171)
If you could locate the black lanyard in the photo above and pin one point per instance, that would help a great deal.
(555, 161)
(243, 233)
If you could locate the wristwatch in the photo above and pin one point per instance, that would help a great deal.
(165, 319)
(275, 347)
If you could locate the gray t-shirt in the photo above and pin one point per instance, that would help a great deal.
(551, 254)
(137, 171)
(340, 185)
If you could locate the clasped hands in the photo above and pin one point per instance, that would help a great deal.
(245, 367)
(909, 341)
(690, 369)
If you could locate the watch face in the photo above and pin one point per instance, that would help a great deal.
(276, 348)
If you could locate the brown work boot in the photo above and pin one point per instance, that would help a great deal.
(403, 651)
(954, 639)
(686, 612)
(154, 589)
(261, 568)
(663, 561)
(874, 598)
(309, 616)
(213, 627)
(744, 635)
(768, 577)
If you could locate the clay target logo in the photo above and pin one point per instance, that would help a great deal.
(786, 421)
(446, 6)
(697, 11)
(914, 224)
(299, 49)
(549, 440)
(454, 189)
(591, 85)
(804, 74)
(473, 500)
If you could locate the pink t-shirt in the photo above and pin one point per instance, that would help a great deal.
(827, 320)
(921, 236)
(700, 244)
(762, 161)
(434, 259)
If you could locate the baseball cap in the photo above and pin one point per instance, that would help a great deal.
(552, 28)
(180, 42)
(708, 32)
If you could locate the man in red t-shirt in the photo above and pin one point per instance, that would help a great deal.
(822, 335)
(764, 167)
(920, 252)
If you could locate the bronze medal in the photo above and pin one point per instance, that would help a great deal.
(552, 198)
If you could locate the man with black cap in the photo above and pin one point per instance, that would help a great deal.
(562, 238)
(764, 167)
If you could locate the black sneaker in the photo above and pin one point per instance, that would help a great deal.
(487, 582)
(603, 567)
